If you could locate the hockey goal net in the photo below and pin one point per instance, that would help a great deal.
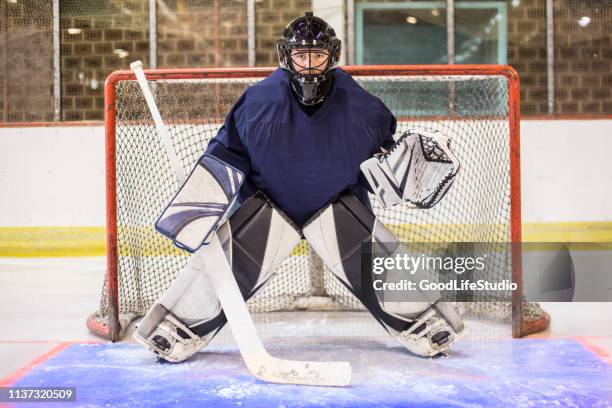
(477, 106)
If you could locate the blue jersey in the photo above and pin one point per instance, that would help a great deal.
(302, 162)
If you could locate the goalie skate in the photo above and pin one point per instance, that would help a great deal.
(433, 332)
(168, 337)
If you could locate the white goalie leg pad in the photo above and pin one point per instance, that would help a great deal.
(418, 170)
(262, 237)
(256, 240)
(336, 233)
(191, 297)
(202, 203)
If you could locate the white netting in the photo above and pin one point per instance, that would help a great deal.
(472, 110)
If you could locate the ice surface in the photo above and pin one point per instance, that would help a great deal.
(488, 369)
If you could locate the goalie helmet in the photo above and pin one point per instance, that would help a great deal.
(309, 51)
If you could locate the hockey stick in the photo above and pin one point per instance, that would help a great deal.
(256, 358)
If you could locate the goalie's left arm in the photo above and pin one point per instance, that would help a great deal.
(418, 170)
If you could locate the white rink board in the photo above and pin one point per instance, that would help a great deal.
(54, 176)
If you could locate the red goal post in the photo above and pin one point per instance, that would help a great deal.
(112, 326)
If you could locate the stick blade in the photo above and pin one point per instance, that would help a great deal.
(325, 374)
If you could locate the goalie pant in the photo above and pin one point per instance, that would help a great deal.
(336, 233)
(255, 239)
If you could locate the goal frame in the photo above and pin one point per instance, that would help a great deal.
(112, 332)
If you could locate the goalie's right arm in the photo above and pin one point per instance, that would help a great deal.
(204, 200)
(202, 203)
(227, 145)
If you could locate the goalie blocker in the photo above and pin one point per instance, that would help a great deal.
(255, 239)
(336, 233)
(202, 203)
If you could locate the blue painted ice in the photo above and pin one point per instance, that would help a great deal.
(487, 373)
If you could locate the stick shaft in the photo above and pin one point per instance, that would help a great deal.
(162, 129)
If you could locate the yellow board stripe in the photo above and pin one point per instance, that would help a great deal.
(598, 231)
(52, 241)
(91, 241)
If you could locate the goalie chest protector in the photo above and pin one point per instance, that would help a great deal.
(302, 161)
